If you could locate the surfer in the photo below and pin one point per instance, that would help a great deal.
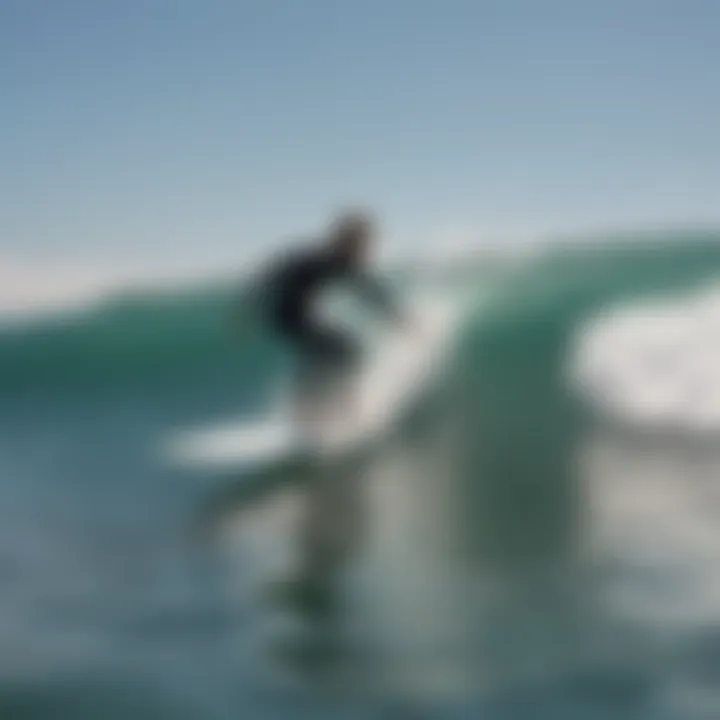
(293, 283)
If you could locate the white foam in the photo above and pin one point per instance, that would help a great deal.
(654, 363)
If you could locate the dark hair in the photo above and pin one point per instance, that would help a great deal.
(352, 223)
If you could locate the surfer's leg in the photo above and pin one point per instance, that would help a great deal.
(326, 358)
(336, 355)
(299, 339)
(330, 348)
(327, 353)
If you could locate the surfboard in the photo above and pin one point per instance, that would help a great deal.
(399, 370)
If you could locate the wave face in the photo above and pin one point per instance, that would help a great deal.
(514, 384)
(144, 338)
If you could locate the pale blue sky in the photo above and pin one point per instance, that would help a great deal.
(203, 127)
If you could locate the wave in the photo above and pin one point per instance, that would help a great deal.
(150, 336)
(524, 328)
(515, 364)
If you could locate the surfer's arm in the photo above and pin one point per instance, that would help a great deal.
(379, 296)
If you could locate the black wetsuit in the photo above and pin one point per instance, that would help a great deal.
(293, 284)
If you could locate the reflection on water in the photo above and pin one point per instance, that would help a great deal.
(367, 568)
(656, 525)
(529, 569)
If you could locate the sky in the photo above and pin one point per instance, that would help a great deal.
(197, 131)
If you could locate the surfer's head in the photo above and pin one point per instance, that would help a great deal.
(351, 235)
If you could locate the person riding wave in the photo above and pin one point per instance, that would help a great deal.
(294, 282)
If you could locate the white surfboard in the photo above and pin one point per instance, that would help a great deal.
(399, 369)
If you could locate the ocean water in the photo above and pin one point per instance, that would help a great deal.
(540, 540)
